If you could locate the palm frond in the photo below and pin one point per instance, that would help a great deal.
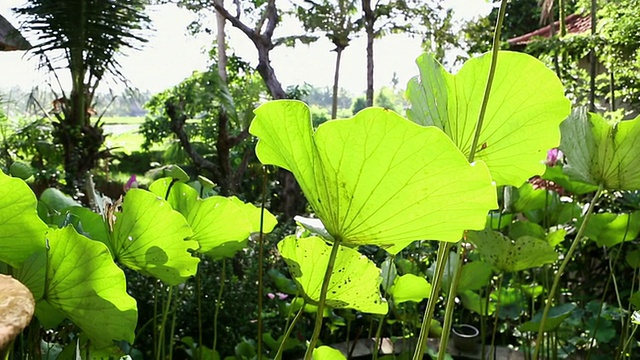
(88, 33)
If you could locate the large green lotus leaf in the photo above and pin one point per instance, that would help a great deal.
(89, 224)
(217, 220)
(428, 94)
(355, 281)
(254, 213)
(21, 230)
(181, 196)
(409, 287)
(525, 107)
(52, 204)
(608, 229)
(49, 316)
(32, 273)
(508, 256)
(376, 178)
(149, 236)
(220, 225)
(86, 285)
(601, 152)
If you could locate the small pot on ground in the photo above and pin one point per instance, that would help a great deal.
(465, 337)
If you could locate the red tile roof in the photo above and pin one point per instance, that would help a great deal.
(575, 23)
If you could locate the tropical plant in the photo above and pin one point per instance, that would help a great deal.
(337, 20)
(84, 38)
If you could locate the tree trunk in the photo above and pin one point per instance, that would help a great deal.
(336, 78)
(223, 148)
(562, 15)
(222, 46)
(369, 21)
(292, 201)
(593, 59)
(267, 72)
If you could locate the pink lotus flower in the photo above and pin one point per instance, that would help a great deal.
(131, 183)
(553, 156)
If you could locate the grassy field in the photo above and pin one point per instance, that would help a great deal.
(123, 120)
(123, 134)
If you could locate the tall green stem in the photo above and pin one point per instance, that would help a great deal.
(165, 314)
(288, 333)
(492, 71)
(378, 337)
(199, 308)
(156, 294)
(223, 279)
(565, 262)
(610, 278)
(496, 316)
(436, 284)
(476, 137)
(323, 297)
(174, 316)
(451, 297)
(261, 261)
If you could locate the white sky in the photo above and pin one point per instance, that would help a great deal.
(172, 55)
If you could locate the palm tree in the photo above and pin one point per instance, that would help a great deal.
(336, 19)
(82, 37)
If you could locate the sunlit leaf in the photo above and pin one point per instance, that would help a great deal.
(253, 215)
(216, 221)
(525, 107)
(89, 224)
(601, 152)
(149, 236)
(507, 255)
(556, 237)
(327, 353)
(556, 316)
(220, 225)
(32, 273)
(21, 230)
(56, 200)
(498, 220)
(389, 273)
(50, 317)
(409, 287)
(355, 283)
(376, 178)
(609, 229)
(86, 285)
(180, 195)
